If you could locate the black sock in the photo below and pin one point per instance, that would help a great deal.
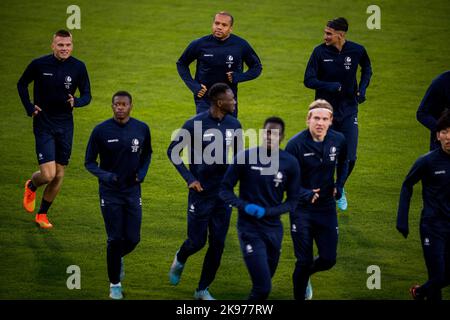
(45, 205)
(31, 186)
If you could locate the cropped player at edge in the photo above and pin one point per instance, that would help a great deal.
(435, 101)
(433, 169)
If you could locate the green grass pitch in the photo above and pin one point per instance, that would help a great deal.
(134, 46)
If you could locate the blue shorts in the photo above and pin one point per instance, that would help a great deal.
(349, 128)
(53, 139)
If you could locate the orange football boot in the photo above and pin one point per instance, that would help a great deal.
(42, 221)
(29, 198)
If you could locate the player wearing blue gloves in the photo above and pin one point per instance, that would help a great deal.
(255, 210)
(260, 203)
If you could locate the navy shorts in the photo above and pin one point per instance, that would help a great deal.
(53, 139)
(349, 128)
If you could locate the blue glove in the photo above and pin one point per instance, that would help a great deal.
(255, 210)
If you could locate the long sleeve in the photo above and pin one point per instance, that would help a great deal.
(145, 157)
(304, 195)
(342, 166)
(366, 72)
(188, 56)
(85, 90)
(175, 148)
(90, 161)
(229, 181)
(22, 87)
(414, 176)
(253, 63)
(311, 76)
(292, 194)
(432, 101)
(426, 119)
